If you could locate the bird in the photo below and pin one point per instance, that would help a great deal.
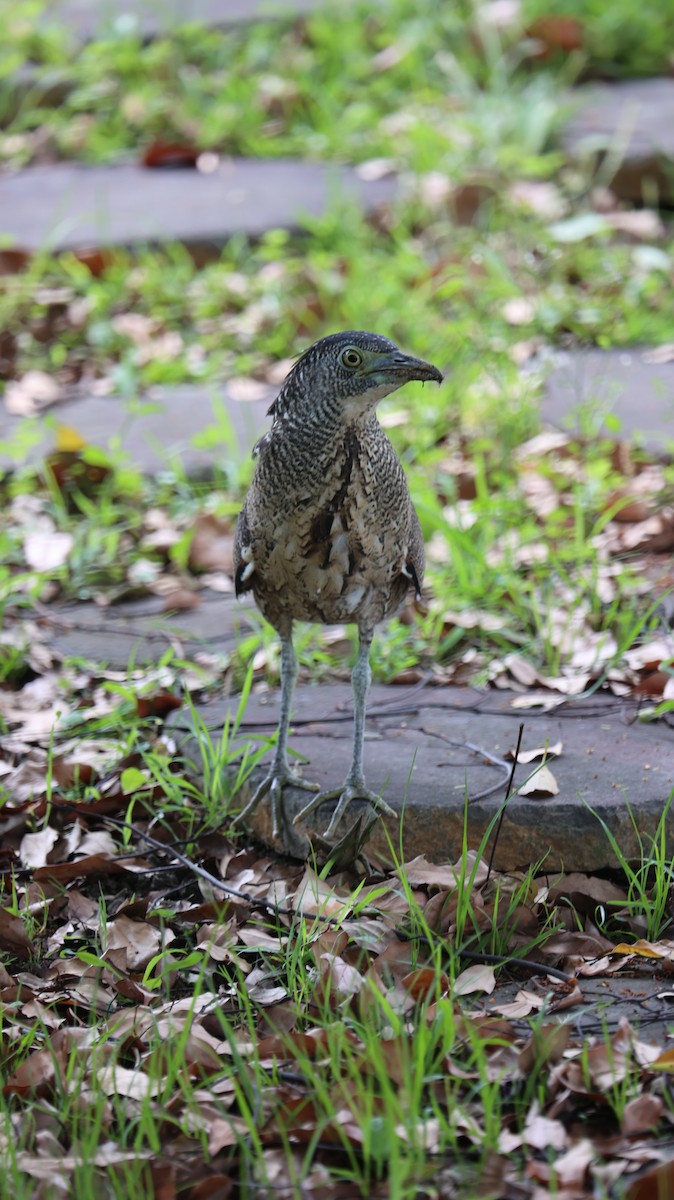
(328, 532)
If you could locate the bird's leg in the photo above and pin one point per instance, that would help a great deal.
(280, 774)
(354, 786)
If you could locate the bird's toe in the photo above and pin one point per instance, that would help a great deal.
(344, 796)
(278, 778)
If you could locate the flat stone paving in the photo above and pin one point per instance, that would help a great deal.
(629, 127)
(160, 436)
(91, 18)
(584, 386)
(581, 384)
(417, 754)
(141, 631)
(416, 744)
(69, 205)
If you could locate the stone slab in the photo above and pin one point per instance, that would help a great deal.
(41, 87)
(92, 18)
(641, 994)
(629, 128)
(66, 205)
(141, 631)
(159, 436)
(417, 754)
(426, 749)
(586, 385)
(582, 387)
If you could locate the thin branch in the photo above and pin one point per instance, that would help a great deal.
(508, 794)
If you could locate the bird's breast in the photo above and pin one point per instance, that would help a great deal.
(332, 547)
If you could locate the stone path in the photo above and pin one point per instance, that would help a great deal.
(154, 440)
(90, 18)
(629, 128)
(417, 748)
(141, 631)
(622, 382)
(628, 125)
(69, 205)
(416, 753)
(625, 383)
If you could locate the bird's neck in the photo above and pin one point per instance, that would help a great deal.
(321, 424)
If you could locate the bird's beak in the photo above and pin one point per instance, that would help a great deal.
(404, 367)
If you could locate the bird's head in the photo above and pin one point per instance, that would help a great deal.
(349, 371)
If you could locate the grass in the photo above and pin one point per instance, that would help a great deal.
(296, 88)
(272, 90)
(448, 307)
(617, 42)
(304, 1043)
(303, 1030)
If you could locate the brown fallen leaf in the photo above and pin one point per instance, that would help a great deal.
(159, 705)
(660, 354)
(31, 394)
(657, 1183)
(170, 154)
(93, 865)
(36, 847)
(641, 1114)
(523, 1004)
(527, 756)
(13, 935)
(420, 872)
(180, 599)
(426, 982)
(96, 260)
(556, 34)
(479, 978)
(212, 544)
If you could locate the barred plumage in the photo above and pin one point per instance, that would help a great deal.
(328, 532)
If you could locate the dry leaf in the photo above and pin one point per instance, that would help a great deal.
(47, 551)
(36, 847)
(212, 545)
(641, 1114)
(660, 355)
(540, 197)
(376, 168)
(30, 395)
(519, 310)
(131, 944)
(556, 34)
(641, 223)
(527, 756)
(541, 783)
(479, 978)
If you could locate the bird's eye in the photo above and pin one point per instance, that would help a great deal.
(351, 357)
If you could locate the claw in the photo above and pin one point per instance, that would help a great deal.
(356, 790)
(279, 776)
(349, 848)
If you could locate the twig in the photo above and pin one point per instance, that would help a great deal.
(505, 802)
(490, 758)
(536, 968)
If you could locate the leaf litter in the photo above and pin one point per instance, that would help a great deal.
(118, 960)
(98, 989)
(129, 980)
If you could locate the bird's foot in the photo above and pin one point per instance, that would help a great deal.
(351, 789)
(279, 777)
(348, 848)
